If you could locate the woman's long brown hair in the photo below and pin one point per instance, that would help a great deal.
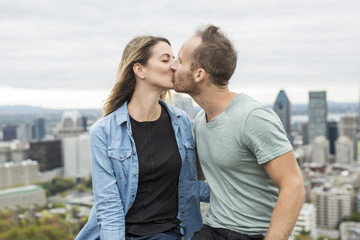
(138, 50)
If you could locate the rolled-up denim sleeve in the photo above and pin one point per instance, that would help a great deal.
(109, 208)
(204, 191)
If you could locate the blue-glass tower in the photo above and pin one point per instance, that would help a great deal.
(39, 128)
(282, 107)
(317, 115)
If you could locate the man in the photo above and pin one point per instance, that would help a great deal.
(256, 185)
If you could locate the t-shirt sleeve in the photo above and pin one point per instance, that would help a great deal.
(264, 135)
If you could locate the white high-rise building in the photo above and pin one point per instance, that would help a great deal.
(306, 220)
(344, 151)
(71, 124)
(320, 151)
(22, 196)
(348, 126)
(19, 151)
(332, 204)
(76, 155)
(357, 202)
(349, 230)
(24, 132)
(22, 173)
(5, 152)
(13, 151)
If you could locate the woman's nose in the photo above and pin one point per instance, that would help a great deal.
(173, 65)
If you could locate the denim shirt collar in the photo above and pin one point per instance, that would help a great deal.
(122, 114)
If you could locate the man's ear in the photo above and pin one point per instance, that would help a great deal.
(199, 74)
(139, 70)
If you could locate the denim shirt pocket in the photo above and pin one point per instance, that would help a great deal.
(190, 161)
(121, 160)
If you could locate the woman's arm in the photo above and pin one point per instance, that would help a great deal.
(109, 208)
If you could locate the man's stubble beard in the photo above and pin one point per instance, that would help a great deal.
(189, 88)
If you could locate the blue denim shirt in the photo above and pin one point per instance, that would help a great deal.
(115, 170)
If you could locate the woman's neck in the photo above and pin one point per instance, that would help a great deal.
(144, 106)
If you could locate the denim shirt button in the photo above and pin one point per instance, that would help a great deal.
(132, 195)
(181, 196)
(134, 154)
(135, 174)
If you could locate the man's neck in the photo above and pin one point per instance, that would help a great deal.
(214, 100)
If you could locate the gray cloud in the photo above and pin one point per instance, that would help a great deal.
(78, 44)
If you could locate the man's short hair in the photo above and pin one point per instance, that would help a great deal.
(216, 55)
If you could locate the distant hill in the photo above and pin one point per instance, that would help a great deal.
(297, 109)
(333, 107)
(23, 109)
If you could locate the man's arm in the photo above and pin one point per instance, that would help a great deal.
(285, 173)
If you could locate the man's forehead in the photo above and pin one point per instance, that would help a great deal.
(190, 44)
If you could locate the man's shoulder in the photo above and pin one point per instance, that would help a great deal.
(245, 103)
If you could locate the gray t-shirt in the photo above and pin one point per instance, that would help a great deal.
(231, 149)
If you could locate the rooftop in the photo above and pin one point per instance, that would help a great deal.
(19, 190)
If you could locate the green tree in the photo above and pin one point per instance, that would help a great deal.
(88, 183)
(354, 217)
(58, 185)
(48, 227)
(302, 237)
(326, 238)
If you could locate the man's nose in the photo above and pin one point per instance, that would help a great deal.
(174, 65)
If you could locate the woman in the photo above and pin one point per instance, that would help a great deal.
(142, 151)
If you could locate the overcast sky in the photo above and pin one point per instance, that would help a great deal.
(65, 53)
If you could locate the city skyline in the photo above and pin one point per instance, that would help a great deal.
(65, 55)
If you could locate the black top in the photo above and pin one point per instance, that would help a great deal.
(156, 205)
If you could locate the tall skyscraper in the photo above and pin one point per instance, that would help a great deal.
(317, 115)
(39, 128)
(282, 107)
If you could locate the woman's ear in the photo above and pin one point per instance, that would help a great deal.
(139, 70)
